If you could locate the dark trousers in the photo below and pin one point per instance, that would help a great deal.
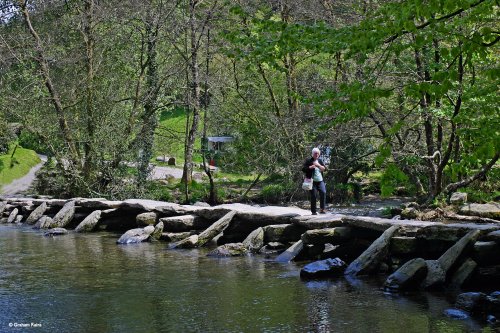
(321, 188)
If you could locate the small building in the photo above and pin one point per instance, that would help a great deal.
(213, 146)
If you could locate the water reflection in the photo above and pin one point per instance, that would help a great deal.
(88, 283)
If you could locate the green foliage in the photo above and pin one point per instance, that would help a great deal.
(392, 178)
(33, 142)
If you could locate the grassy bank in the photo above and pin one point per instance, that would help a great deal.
(16, 166)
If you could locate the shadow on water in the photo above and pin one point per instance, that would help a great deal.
(88, 283)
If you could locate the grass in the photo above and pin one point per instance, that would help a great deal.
(169, 140)
(14, 167)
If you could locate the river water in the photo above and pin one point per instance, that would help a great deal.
(88, 283)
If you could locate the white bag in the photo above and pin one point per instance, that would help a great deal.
(307, 184)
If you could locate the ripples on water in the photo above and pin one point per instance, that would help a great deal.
(87, 283)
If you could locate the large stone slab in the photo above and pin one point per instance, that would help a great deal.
(65, 215)
(282, 233)
(437, 269)
(381, 224)
(407, 277)
(291, 252)
(311, 222)
(489, 210)
(184, 223)
(13, 215)
(215, 228)
(37, 213)
(335, 236)
(255, 241)
(90, 222)
(370, 259)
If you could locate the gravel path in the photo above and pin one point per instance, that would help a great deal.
(22, 184)
(18, 186)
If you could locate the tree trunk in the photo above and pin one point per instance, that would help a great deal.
(187, 173)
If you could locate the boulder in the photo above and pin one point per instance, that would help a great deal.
(186, 243)
(44, 222)
(456, 314)
(136, 235)
(156, 235)
(282, 233)
(13, 215)
(19, 219)
(437, 269)
(37, 213)
(407, 277)
(338, 235)
(145, 219)
(291, 252)
(229, 250)
(371, 258)
(489, 210)
(458, 198)
(3, 204)
(272, 248)
(56, 232)
(65, 215)
(463, 273)
(90, 222)
(323, 268)
(472, 302)
(486, 253)
(184, 223)
(255, 240)
(171, 161)
(409, 213)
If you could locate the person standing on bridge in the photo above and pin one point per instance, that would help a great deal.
(313, 168)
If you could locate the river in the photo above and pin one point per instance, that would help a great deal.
(88, 283)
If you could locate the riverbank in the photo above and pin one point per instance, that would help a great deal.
(445, 255)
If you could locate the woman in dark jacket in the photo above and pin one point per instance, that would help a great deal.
(313, 168)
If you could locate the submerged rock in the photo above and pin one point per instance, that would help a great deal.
(136, 235)
(229, 250)
(323, 268)
(456, 314)
(56, 232)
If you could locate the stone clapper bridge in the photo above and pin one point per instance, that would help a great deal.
(420, 255)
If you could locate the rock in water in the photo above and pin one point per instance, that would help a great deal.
(370, 259)
(56, 232)
(37, 213)
(229, 250)
(323, 268)
(13, 215)
(90, 222)
(65, 215)
(408, 276)
(255, 240)
(136, 235)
